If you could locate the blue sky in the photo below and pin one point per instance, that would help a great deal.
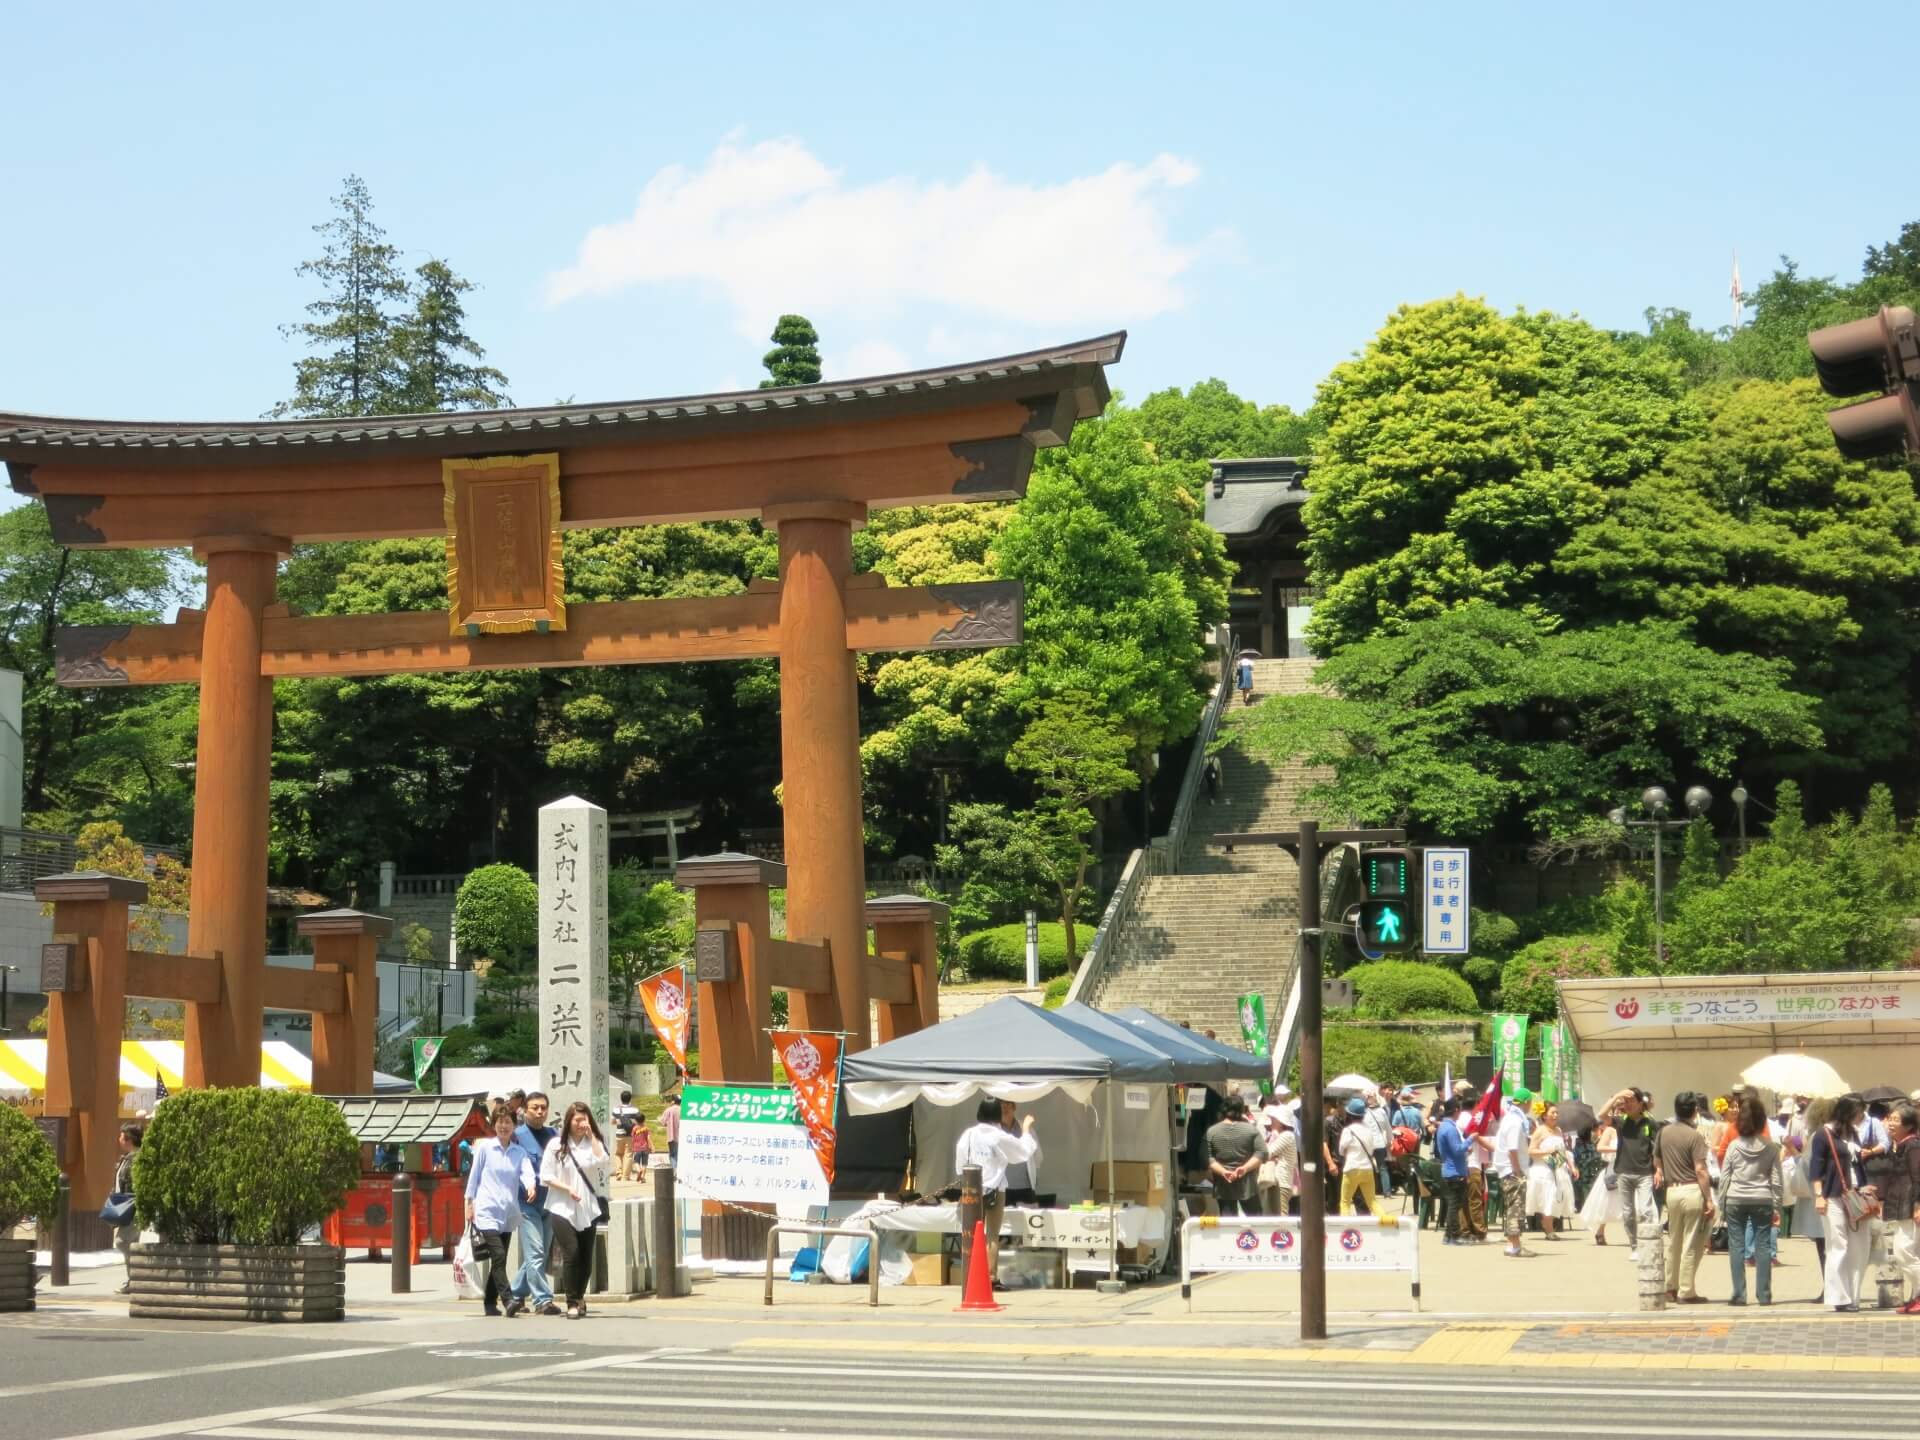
(638, 190)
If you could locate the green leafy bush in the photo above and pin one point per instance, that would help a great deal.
(1527, 981)
(1391, 1057)
(29, 1173)
(1390, 989)
(1001, 953)
(243, 1167)
(1056, 994)
(497, 915)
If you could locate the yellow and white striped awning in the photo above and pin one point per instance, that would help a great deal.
(23, 1066)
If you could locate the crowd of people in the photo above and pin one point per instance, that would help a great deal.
(1730, 1171)
(545, 1186)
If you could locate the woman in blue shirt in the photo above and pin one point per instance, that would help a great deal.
(500, 1175)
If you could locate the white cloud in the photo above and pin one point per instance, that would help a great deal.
(772, 228)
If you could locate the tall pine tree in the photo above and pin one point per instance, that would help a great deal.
(353, 369)
(795, 357)
(437, 360)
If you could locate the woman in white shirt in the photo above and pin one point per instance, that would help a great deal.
(574, 1170)
(1277, 1181)
(1603, 1203)
(1549, 1174)
(987, 1144)
(498, 1177)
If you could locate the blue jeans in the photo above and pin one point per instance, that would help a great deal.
(1750, 1232)
(531, 1283)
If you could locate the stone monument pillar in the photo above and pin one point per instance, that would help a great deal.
(573, 956)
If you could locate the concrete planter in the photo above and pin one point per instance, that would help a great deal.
(16, 1275)
(300, 1283)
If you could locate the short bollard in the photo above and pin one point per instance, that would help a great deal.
(972, 1213)
(666, 1238)
(403, 1234)
(57, 1242)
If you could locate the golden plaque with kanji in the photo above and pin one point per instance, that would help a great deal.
(504, 571)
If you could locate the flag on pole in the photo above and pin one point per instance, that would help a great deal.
(426, 1050)
(159, 1086)
(812, 1063)
(668, 1007)
(1485, 1116)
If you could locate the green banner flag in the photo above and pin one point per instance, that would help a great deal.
(1510, 1051)
(425, 1052)
(1553, 1064)
(1253, 1022)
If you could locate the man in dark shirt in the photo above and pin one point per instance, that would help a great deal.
(1234, 1153)
(530, 1286)
(1636, 1165)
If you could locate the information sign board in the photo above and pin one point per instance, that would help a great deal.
(1448, 901)
(747, 1143)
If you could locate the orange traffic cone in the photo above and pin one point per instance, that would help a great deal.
(979, 1291)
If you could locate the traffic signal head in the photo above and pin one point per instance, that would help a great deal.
(1386, 925)
(1386, 874)
(1880, 352)
(1386, 913)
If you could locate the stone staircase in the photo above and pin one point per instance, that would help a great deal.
(1225, 924)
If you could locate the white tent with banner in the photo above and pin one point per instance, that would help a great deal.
(1099, 1090)
(1669, 1033)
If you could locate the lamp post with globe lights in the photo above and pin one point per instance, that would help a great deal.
(1654, 801)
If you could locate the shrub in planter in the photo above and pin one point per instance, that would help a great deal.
(29, 1189)
(231, 1180)
(243, 1167)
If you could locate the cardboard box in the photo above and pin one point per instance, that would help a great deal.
(1130, 1177)
(927, 1270)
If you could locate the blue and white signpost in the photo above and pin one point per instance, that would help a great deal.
(1444, 929)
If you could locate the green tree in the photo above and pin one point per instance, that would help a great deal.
(1210, 422)
(99, 753)
(354, 368)
(1484, 721)
(795, 357)
(649, 927)
(439, 362)
(496, 916)
(1462, 449)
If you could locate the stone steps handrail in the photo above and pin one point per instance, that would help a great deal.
(1168, 855)
(1119, 911)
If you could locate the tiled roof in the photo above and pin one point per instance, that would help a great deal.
(1243, 494)
(38, 437)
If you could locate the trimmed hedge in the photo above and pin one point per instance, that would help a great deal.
(243, 1167)
(29, 1171)
(1001, 953)
(1391, 1057)
(1057, 989)
(1389, 989)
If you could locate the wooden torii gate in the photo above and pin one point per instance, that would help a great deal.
(810, 462)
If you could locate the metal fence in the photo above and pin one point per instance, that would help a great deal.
(30, 855)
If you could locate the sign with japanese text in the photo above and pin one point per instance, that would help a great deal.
(747, 1143)
(812, 1064)
(1555, 1043)
(1863, 997)
(573, 956)
(1510, 1050)
(669, 1005)
(1445, 928)
(1274, 1244)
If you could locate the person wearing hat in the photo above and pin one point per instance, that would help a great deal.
(1510, 1166)
(1356, 1161)
(1279, 1171)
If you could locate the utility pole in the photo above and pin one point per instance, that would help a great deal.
(1307, 844)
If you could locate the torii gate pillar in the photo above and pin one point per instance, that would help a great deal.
(820, 759)
(229, 894)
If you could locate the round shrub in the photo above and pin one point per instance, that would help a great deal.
(243, 1167)
(1389, 989)
(1056, 994)
(29, 1171)
(1527, 980)
(1391, 1057)
(1001, 953)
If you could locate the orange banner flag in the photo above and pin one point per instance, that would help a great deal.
(812, 1063)
(670, 1008)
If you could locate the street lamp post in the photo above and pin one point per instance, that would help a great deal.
(1654, 800)
(1740, 810)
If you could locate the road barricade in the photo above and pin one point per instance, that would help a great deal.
(1215, 1243)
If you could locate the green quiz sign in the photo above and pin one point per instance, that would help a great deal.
(740, 1104)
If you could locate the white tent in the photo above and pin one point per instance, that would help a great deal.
(1698, 1032)
(23, 1066)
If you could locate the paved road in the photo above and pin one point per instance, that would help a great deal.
(108, 1381)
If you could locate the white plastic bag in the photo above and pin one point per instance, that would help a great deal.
(469, 1274)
